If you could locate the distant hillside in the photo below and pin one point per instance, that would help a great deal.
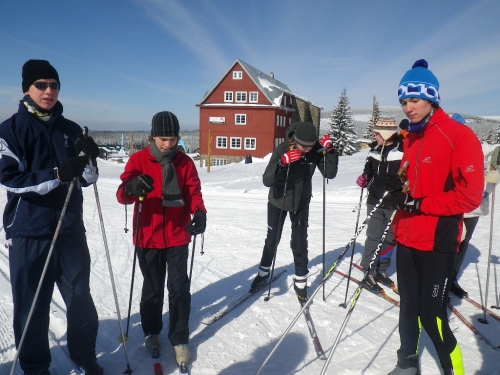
(480, 125)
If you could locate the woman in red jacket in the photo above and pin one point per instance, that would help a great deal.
(445, 179)
(165, 182)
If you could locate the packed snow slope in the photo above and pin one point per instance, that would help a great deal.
(238, 343)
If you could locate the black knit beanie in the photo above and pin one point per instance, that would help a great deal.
(165, 124)
(305, 134)
(37, 69)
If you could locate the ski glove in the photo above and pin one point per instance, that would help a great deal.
(404, 201)
(73, 167)
(289, 157)
(198, 224)
(88, 146)
(140, 186)
(326, 143)
(363, 180)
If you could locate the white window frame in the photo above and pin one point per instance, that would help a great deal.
(240, 97)
(249, 140)
(237, 74)
(219, 141)
(230, 94)
(240, 119)
(217, 162)
(237, 140)
(253, 97)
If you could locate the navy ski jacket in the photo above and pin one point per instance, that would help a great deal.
(30, 151)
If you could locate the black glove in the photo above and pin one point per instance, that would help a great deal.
(404, 201)
(140, 186)
(198, 224)
(72, 168)
(88, 146)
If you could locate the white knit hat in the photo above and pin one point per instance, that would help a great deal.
(386, 128)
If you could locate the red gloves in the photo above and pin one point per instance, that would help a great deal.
(326, 142)
(362, 181)
(290, 156)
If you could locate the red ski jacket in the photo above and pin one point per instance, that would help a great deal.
(162, 227)
(446, 169)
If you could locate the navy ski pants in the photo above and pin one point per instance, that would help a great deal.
(299, 237)
(155, 264)
(69, 268)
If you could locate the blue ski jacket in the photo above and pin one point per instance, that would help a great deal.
(30, 151)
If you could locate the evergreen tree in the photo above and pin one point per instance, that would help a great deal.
(373, 120)
(497, 134)
(491, 138)
(342, 128)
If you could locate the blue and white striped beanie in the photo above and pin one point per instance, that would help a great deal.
(165, 124)
(419, 82)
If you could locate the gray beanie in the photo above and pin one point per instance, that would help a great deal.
(165, 124)
(305, 134)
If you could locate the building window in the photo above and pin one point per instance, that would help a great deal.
(221, 142)
(241, 96)
(217, 162)
(278, 141)
(235, 143)
(254, 96)
(237, 74)
(228, 96)
(250, 143)
(240, 119)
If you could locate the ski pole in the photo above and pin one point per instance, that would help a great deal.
(344, 304)
(325, 278)
(357, 294)
(101, 220)
(137, 225)
(324, 219)
(42, 277)
(278, 234)
(192, 259)
(483, 319)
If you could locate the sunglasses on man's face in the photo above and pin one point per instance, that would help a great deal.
(43, 85)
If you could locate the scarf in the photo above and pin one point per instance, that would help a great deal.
(171, 191)
(419, 127)
(35, 109)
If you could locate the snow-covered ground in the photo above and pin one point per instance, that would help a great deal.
(238, 343)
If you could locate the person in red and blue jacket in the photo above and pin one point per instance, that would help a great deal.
(39, 158)
(445, 179)
(164, 182)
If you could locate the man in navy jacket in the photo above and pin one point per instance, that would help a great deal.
(38, 161)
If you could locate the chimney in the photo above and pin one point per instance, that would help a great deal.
(271, 75)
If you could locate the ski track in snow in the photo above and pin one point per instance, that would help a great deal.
(236, 202)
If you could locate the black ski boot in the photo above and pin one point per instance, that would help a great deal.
(383, 279)
(457, 290)
(406, 365)
(91, 368)
(260, 279)
(372, 285)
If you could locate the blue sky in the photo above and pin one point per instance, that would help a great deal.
(121, 61)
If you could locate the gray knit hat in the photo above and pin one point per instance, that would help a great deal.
(305, 134)
(165, 124)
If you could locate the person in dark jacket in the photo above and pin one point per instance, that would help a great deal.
(444, 179)
(38, 162)
(164, 182)
(380, 176)
(288, 176)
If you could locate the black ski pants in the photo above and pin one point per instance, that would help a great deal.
(423, 281)
(155, 264)
(470, 224)
(298, 242)
(69, 268)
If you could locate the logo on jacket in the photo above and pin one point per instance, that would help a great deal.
(427, 159)
(470, 168)
(66, 140)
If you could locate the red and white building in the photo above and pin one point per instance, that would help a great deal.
(247, 113)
